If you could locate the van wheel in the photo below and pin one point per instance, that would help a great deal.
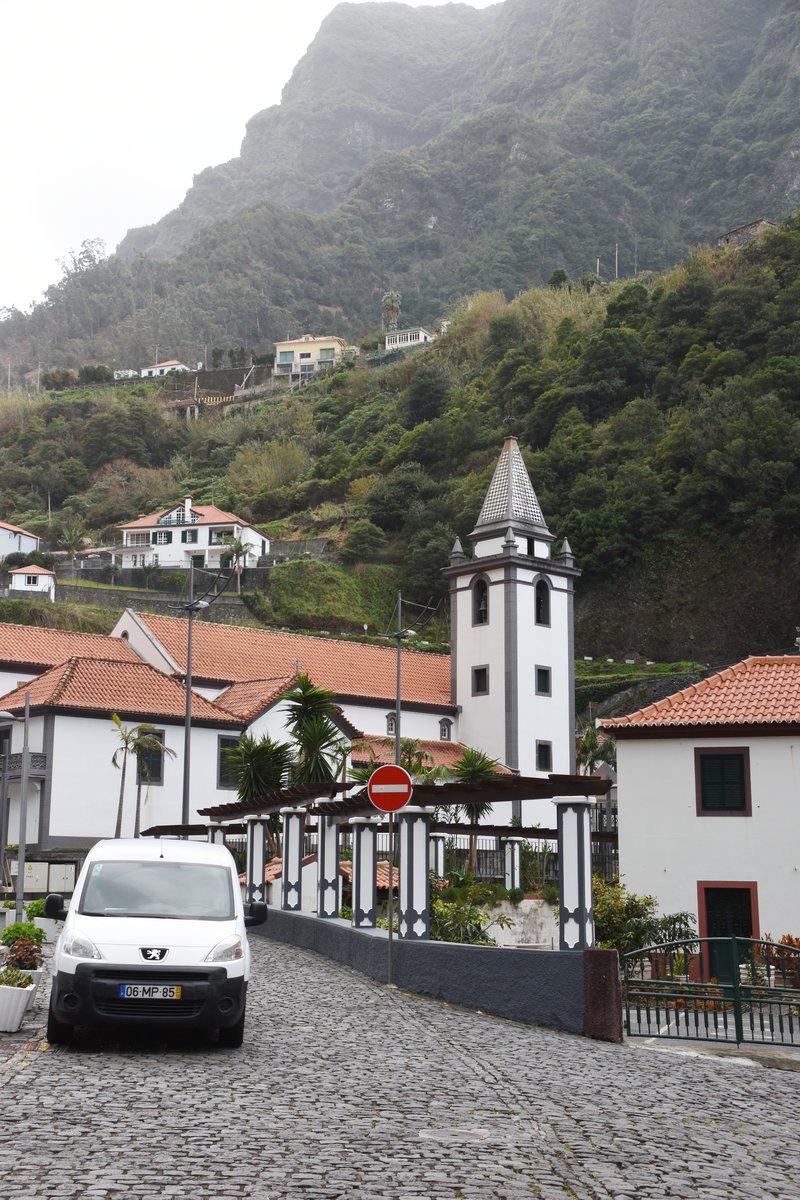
(233, 1035)
(58, 1034)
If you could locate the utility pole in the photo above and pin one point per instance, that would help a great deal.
(616, 260)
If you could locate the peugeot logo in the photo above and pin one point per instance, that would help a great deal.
(152, 953)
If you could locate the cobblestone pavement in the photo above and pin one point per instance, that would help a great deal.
(347, 1090)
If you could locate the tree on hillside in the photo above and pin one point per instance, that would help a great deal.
(390, 301)
(237, 550)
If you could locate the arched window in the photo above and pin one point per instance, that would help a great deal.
(445, 730)
(480, 602)
(542, 603)
(391, 723)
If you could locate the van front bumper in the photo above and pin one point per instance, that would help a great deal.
(209, 999)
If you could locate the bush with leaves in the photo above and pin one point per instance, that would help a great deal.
(12, 977)
(625, 921)
(21, 929)
(25, 954)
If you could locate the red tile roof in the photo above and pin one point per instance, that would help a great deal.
(31, 570)
(36, 647)
(132, 689)
(273, 869)
(760, 691)
(251, 697)
(208, 514)
(235, 653)
(16, 529)
(381, 750)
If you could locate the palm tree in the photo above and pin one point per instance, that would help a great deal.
(143, 773)
(320, 748)
(73, 536)
(137, 740)
(592, 750)
(474, 767)
(260, 766)
(390, 302)
(238, 550)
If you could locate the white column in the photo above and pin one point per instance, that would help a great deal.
(327, 867)
(292, 863)
(437, 844)
(216, 835)
(511, 862)
(414, 913)
(365, 895)
(576, 916)
(255, 886)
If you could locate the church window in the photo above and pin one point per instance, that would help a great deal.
(480, 602)
(445, 730)
(391, 723)
(542, 603)
(544, 756)
(543, 681)
(480, 681)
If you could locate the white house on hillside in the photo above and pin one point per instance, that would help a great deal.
(14, 540)
(709, 790)
(163, 368)
(399, 339)
(33, 580)
(188, 534)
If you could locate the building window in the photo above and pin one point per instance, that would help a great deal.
(544, 756)
(139, 539)
(530, 547)
(189, 536)
(391, 723)
(285, 356)
(480, 681)
(30, 581)
(543, 681)
(226, 777)
(150, 764)
(542, 603)
(480, 602)
(445, 730)
(722, 782)
(305, 354)
(327, 354)
(162, 537)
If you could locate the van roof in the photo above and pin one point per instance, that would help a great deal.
(171, 849)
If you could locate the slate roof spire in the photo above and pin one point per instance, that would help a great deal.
(510, 500)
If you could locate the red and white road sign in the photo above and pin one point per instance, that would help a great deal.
(390, 787)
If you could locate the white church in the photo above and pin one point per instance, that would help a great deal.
(507, 688)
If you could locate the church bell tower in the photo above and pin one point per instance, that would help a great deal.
(512, 643)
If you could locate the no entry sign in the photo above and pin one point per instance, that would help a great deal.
(389, 788)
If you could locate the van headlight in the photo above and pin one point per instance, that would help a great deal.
(228, 950)
(78, 946)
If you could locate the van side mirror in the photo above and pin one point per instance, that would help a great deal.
(54, 907)
(255, 913)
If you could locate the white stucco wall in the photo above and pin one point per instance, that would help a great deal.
(16, 543)
(665, 848)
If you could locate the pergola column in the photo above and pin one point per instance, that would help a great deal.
(255, 885)
(365, 892)
(438, 841)
(575, 912)
(511, 862)
(327, 867)
(294, 820)
(414, 914)
(216, 835)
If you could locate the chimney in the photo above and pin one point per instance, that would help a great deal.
(188, 511)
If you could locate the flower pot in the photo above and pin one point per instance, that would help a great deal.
(36, 976)
(51, 928)
(13, 1006)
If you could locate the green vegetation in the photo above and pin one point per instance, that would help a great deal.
(625, 921)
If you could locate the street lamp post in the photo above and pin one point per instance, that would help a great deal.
(191, 608)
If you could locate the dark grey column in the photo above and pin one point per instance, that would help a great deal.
(255, 887)
(365, 894)
(294, 820)
(327, 867)
(414, 912)
(576, 916)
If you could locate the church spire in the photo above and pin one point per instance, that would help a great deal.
(510, 500)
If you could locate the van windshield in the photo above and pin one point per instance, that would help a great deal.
(182, 891)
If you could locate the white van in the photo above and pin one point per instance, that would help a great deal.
(155, 934)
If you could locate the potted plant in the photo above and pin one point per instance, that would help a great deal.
(25, 954)
(7, 912)
(34, 911)
(16, 991)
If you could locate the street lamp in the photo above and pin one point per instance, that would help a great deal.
(23, 801)
(191, 608)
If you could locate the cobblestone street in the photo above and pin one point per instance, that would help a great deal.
(345, 1089)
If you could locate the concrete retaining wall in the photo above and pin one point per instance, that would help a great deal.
(577, 992)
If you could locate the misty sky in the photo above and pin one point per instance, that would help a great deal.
(111, 106)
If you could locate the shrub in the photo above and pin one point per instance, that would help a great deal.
(11, 977)
(516, 895)
(25, 954)
(625, 921)
(34, 908)
(21, 929)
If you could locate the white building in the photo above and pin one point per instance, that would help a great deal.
(709, 782)
(400, 339)
(188, 534)
(74, 787)
(14, 540)
(297, 359)
(163, 368)
(32, 580)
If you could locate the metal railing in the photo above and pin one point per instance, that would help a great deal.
(714, 989)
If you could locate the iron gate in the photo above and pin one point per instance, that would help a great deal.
(715, 990)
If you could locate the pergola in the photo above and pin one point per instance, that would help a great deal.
(335, 805)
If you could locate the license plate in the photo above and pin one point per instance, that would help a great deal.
(149, 991)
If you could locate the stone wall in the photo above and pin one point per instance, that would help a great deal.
(231, 608)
